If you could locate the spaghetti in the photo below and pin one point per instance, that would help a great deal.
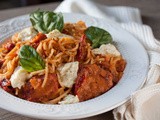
(60, 53)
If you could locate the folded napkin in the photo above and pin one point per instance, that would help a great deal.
(144, 103)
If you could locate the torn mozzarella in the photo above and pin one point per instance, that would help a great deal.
(27, 34)
(106, 49)
(19, 77)
(67, 74)
(69, 99)
(56, 34)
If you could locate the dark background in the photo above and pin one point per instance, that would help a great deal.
(150, 9)
(6, 4)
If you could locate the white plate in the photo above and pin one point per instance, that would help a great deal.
(133, 78)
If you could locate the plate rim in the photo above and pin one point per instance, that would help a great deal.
(84, 115)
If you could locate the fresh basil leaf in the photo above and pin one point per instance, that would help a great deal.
(98, 36)
(30, 60)
(46, 21)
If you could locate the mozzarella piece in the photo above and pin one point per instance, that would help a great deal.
(27, 34)
(106, 49)
(19, 77)
(69, 99)
(67, 74)
(56, 34)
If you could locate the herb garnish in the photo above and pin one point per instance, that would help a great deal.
(30, 60)
(98, 36)
(46, 21)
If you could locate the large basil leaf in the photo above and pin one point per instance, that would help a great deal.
(46, 21)
(30, 60)
(98, 36)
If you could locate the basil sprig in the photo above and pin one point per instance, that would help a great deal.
(98, 36)
(46, 21)
(30, 60)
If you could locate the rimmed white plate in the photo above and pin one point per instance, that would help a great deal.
(133, 78)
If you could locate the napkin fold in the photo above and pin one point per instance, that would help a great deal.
(144, 103)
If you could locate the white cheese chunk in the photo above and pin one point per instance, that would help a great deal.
(56, 34)
(106, 49)
(67, 74)
(27, 34)
(69, 99)
(19, 77)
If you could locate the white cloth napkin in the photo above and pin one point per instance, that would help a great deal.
(144, 103)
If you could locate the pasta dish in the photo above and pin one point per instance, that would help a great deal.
(53, 62)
